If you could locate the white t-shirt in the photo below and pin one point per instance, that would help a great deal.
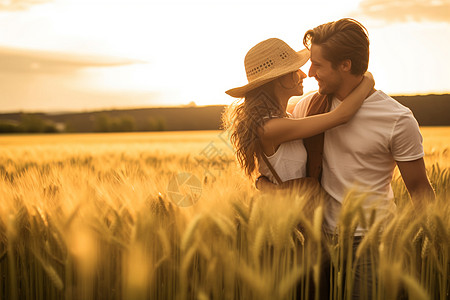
(289, 161)
(361, 155)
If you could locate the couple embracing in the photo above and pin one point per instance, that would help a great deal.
(347, 136)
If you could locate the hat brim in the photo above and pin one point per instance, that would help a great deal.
(240, 92)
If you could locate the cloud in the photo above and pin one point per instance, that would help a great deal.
(16, 59)
(406, 10)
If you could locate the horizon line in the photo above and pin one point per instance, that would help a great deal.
(189, 105)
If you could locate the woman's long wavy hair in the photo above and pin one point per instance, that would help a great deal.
(245, 119)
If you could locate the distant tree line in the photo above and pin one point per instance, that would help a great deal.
(126, 123)
(28, 123)
(103, 122)
(429, 110)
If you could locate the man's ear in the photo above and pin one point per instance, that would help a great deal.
(346, 65)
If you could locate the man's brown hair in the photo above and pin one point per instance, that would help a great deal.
(341, 40)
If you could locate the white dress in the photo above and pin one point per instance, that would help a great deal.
(289, 161)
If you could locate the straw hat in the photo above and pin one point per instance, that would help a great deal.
(266, 61)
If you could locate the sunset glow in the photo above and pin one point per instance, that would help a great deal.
(177, 52)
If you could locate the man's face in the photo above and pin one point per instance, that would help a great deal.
(329, 79)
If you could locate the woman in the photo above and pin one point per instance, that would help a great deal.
(262, 132)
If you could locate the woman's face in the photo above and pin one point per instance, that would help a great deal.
(292, 83)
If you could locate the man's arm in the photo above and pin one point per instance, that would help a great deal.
(415, 177)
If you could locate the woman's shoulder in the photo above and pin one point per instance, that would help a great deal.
(300, 105)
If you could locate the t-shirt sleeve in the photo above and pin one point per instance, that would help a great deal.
(406, 141)
(302, 106)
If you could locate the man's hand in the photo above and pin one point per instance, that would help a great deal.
(415, 177)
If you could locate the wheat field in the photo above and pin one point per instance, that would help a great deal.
(95, 217)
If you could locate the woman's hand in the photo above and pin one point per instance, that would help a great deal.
(371, 81)
(369, 76)
(351, 104)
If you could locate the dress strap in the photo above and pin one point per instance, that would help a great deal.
(272, 170)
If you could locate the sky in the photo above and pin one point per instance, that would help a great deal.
(80, 55)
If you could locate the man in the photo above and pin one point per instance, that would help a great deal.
(361, 155)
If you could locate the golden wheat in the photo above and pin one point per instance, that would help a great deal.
(91, 217)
